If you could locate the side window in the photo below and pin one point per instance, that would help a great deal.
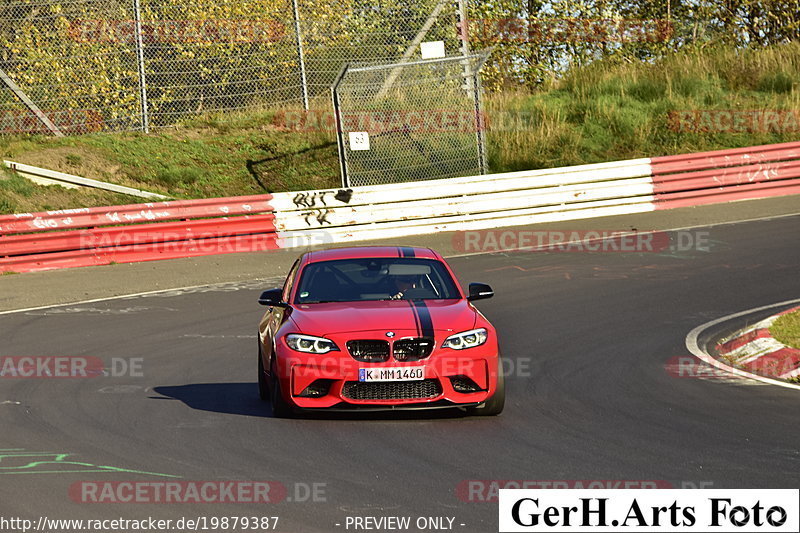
(290, 279)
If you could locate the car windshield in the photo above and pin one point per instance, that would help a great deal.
(372, 279)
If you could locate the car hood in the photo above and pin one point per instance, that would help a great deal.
(348, 317)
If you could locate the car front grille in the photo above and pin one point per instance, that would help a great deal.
(392, 390)
(369, 351)
(413, 349)
(377, 351)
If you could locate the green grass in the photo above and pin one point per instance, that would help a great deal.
(610, 111)
(786, 329)
(205, 157)
(606, 111)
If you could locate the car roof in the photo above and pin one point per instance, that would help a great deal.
(358, 252)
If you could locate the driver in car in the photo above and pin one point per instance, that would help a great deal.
(403, 284)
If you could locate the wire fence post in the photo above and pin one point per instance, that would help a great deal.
(480, 122)
(463, 23)
(137, 17)
(300, 54)
(339, 131)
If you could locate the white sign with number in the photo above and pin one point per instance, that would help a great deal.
(359, 140)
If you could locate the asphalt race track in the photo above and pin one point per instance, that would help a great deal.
(590, 341)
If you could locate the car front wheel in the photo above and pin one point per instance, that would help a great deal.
(495, 404)
(263, 384)
(280, 408)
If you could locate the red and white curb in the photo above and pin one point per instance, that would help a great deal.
(694, 346)
(755, 349)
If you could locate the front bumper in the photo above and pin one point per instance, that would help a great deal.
(337, 374)
(351, 408)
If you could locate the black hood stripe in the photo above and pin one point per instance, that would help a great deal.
(425, 319)
(407, 251)
(416, 317)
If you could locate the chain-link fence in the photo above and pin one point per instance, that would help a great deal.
(110, 65)
(410, 121)
(82, 84)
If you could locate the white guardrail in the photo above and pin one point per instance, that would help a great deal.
(188, 228)
(43, 176)
(468, 203)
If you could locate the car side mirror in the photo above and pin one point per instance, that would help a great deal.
(272, 297)
(479, 291)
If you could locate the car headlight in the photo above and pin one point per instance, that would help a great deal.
(465, 339)
(309, 344)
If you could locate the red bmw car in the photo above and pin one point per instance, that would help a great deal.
(377, 328)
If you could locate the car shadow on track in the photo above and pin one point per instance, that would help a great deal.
(226, 398)
(242, 399)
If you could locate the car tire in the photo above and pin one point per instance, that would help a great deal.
(280, 408)
(494, 405)
(263, 384)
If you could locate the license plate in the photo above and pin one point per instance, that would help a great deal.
(404, 373)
